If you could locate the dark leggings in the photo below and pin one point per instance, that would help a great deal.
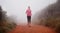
(29, 19)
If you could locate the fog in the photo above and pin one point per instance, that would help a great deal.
(17, 8)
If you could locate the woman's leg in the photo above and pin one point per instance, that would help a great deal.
(29, 20)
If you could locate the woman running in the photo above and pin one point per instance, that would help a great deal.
(28, 12)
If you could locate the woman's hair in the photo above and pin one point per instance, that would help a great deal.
(28, 6)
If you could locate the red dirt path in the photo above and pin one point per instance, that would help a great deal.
(32, 29)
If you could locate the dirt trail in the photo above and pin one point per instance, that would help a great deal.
(32, 29)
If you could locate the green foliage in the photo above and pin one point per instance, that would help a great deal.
(5, 24)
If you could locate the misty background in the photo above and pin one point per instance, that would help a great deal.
(16, 8)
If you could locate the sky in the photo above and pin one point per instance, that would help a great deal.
(18, 7)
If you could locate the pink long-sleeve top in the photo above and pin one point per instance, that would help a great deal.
(28, 12)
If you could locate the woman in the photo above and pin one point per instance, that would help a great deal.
(28, 12)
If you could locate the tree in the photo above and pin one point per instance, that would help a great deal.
(5, 24)
(50, 16)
